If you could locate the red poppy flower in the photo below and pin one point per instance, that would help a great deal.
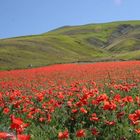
(109, 105)
(74, 111)
(80, 133)
(6, 110)
(137, 131)
(110, 123)
(83, 110)
(5, 135)
(134, 118)
(23, 137)
(95, 132)
(63, 135)
(94, 117)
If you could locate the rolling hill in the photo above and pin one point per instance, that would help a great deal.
(85, 43)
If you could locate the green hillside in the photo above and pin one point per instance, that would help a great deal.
(92, 42)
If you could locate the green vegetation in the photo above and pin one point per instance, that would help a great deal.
(92, 42)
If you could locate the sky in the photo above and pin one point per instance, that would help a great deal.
(28, 17)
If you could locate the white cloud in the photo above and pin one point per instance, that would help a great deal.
(118, 2)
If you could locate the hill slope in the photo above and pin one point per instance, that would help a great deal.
(92, 42)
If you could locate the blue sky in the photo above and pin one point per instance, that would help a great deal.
(27, 17)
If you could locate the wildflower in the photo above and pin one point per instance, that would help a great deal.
(83, 110)
(109, 105)
(117, 98)
(80, 133)
(63, 135)
(137, 112)
(49, 117)
(42, 119)
(69, 103)
(23, 137)
(120, 114)
(137, 100)
(102, 97)
(127, 99)
(137, 131)
(94, 117)
(18, 124)
(5, 135)
(6, 110)
(134, 118)
(95, 132)
(74, 110)
(110, 123)
(60, 95)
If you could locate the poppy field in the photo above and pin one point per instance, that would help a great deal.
(99, 101)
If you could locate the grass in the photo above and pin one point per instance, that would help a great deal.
(126, 45)
(70, 44)
(130, 55)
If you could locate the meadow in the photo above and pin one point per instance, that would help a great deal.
(99, 101)
(85, 43)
